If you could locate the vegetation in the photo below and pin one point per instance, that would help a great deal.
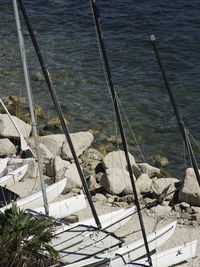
(23, 239)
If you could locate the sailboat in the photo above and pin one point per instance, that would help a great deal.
(81, 242)
(14, 176)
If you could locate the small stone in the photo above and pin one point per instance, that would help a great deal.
(71, 218)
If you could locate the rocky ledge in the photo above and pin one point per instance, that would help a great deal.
(106, 174)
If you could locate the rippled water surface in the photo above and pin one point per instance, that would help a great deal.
(66, 35)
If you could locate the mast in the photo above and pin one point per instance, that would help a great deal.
(58, 109)
(28, 88)
(176, 111)
(96, 15)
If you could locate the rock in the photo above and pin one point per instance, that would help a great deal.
(98, 176)
(90, 160)
(115, 180)
(7, 129)
(81, 142)
(196, 209)
(162, 210)
(56, 166)
(150, 170)
(33, 170)
(46, 155)
(91, 181)
(53, 143)
(71, 218)
(158, 185)
(160, 161)
(128, 199)
(100, 197)
(184, 205)
(54, 124)
(190, 192)
(143, 183)
(7, 147)
(73, 178)
(117, 159)
(136, 171)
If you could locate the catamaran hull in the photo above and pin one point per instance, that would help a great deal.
(111, 221)
(36, 199)
(14, 176)
(169, 257)
(128, 252)
(63, 208)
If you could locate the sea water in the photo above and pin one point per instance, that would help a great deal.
(66, 35)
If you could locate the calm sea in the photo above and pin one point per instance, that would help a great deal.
(67, 38)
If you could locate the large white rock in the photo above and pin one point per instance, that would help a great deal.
(81, 141)
(73, 178)
(117, 159)
(53, 142)
(143, 183)
(115, 180)
(7, 147)
(190, 192)
(7, 129)
(55, 167)
(46, 155)
(158, 185)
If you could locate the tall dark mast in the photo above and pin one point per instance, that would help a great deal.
(178, 116)
(58, 109)
(96, 15)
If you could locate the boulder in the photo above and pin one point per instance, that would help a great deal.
(81, 141)
(7, 129)
(115, 180)
(46, 155)
(143, 184)
(150, 170)
(90, 159)
(158, 185)
(7, 147)
(55, 167)
(53, 142)
(190, 192)
(163, 211)
(117, 159)
(73, 178)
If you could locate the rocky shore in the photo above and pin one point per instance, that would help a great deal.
(108, 181)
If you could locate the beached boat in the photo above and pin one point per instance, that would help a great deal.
(36, 199)
(110, 221)
(168, 257)
(83, 256)
(65, 207)
(13, 176)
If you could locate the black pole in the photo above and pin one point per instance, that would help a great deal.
(58, 109)
(178, 116)
(96, 15)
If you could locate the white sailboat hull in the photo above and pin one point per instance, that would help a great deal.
(63, 208)
(111, 221)
(169, 257)
(36, 199)
(128, 252)
(3, 164)
(14, 176)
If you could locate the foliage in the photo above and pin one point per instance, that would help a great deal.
(23, 239)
